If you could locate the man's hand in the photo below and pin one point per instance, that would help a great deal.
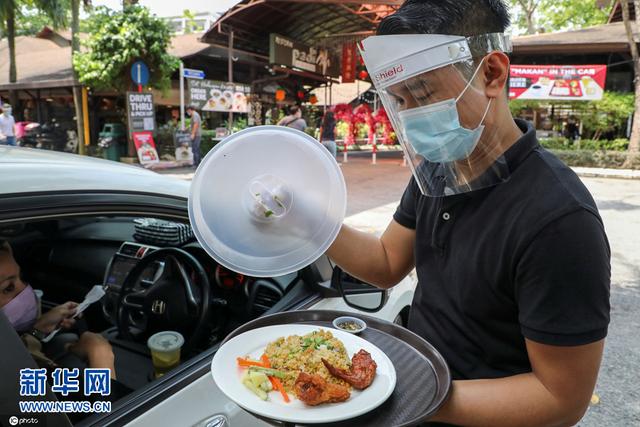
(96, 350)
(59, 316)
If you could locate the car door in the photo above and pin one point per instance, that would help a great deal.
(192, 378)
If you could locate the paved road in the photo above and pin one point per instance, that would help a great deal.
(374, 190)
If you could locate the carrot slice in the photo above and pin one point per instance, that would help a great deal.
(265, 360)
(247, 362)
(280, 388)
(275, 382)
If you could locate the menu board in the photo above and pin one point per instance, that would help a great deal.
(557, 82)
(211, 95)
(184, 149)
(145, 147)
(141, 112)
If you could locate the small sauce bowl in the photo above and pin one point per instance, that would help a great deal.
(353, 325)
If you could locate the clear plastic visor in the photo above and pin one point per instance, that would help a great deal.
(440, 117)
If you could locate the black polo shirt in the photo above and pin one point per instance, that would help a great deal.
(527, 258)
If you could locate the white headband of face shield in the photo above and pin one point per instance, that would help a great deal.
(394, 58)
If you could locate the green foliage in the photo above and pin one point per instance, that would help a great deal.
(238, 124)
(606, 115)
(207, 141)
(558, 15)
(119, 38)
(620, 144)
(598, 158)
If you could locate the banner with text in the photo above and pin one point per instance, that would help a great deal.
(290, 53)
(349, 62)
(557, 82)
(211, 95)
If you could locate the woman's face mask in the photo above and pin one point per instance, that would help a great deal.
(22, 310)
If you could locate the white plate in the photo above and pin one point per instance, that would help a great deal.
(227, 374)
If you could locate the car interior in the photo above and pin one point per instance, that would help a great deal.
(156, 276)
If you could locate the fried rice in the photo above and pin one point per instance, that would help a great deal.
(295, 354)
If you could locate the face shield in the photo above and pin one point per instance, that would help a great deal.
(431, 88)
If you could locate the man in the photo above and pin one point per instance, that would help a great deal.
(196, 133)
(7, 127)
(294, 119)
(18, 303)
(510, 252)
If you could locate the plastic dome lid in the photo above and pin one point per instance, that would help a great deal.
(267, 201)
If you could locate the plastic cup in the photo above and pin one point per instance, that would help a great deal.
(165, 351)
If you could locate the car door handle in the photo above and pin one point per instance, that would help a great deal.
(213, 421)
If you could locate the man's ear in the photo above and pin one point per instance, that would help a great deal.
(496, 73)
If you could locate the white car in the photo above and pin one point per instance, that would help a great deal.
(75, 222)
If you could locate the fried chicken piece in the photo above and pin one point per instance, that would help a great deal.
(361, 373)
(314, 390)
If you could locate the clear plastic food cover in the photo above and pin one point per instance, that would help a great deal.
(267, 201)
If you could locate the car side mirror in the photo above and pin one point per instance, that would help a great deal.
(358, 294)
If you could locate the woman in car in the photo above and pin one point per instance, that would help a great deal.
(19, 304)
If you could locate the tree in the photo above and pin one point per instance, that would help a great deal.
(77, 90)
(533, 16)
(634, 140)
(117, 39)
(9, 10)
(528, 15)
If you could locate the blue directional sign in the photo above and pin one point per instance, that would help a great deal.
(140, 73)
(193, 74)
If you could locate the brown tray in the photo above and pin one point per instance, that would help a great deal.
(423, 377)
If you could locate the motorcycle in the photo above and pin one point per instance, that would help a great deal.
(49, 136)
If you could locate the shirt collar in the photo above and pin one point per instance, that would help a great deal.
(519, 151)
(514, 156)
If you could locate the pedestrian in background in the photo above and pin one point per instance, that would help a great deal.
(7, 127)
(196, 133)
(328, 132)
(294, 119)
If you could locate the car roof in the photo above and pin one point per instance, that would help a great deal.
(27, 170)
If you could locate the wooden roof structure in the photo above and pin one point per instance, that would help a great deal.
(325, 23)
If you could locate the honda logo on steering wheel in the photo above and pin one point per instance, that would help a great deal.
(158, 307)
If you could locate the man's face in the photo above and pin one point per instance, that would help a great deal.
(440, 85)
(10, 283)
(189, 111)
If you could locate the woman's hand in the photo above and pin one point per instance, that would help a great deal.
(96, 350)
(59, 316)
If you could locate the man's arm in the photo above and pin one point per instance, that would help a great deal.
(556, 393)
(196, 125)
(380, 261)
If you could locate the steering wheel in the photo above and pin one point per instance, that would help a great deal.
(166, 304)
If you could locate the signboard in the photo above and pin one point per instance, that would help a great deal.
(557, 82)
(284, 51)
(145, 148)
(141, 112)
(349, 63)
(140, 73)
(184, 147)
(193, 74)
(210, 95)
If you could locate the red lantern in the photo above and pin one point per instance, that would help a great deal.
(313, 99)
(280, 95)
(362, 75)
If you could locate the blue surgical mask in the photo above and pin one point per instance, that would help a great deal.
(434, 131)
